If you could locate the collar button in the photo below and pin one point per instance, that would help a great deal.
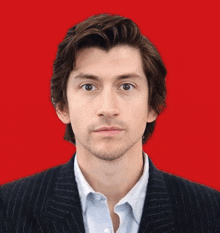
(107, 230)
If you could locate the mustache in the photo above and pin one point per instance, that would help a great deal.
(107, 123)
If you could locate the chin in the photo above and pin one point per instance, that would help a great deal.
(106, 156)
(109, 153)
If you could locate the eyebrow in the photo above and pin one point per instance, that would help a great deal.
(94, 77)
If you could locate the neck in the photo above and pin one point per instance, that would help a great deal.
(114, 179)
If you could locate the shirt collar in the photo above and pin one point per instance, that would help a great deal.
(83, 186)
(135, 197)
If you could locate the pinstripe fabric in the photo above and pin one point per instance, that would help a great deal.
(49, 203)
(157, 213)
(196, 207)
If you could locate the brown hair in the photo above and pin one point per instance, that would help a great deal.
(106, 31)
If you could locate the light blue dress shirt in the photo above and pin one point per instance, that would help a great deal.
(96, 215)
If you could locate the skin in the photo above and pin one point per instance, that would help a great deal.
(112, 165)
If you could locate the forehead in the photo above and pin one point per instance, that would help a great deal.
(119, 59)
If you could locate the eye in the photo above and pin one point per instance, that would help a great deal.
(127, 86)
(88, 87)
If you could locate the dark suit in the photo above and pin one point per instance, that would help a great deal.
(49, 202)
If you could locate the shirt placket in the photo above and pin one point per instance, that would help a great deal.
(98, 215)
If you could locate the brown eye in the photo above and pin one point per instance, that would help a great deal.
(88, 87)
(127, 86)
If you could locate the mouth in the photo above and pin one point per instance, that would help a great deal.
(110, 132)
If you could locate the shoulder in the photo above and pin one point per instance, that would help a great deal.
(27, 194)
(193, 203)
(186, 189)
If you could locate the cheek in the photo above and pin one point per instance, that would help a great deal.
(80, 116)
(135, 116)
(138, 111)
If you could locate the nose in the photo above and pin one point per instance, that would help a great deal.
(108, 104)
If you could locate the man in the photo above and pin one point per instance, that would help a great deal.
(108, 87)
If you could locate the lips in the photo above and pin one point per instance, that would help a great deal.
(108, 131)
(112, 128)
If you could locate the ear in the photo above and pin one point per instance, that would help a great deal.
(152, 116)
(63, 114)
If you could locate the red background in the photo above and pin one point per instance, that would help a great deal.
(186, 139)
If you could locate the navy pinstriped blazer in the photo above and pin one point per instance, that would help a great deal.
(49, 202)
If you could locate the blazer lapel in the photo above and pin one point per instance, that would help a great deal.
(157, 213)
(63, 211)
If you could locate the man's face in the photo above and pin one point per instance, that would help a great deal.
(108, 89)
